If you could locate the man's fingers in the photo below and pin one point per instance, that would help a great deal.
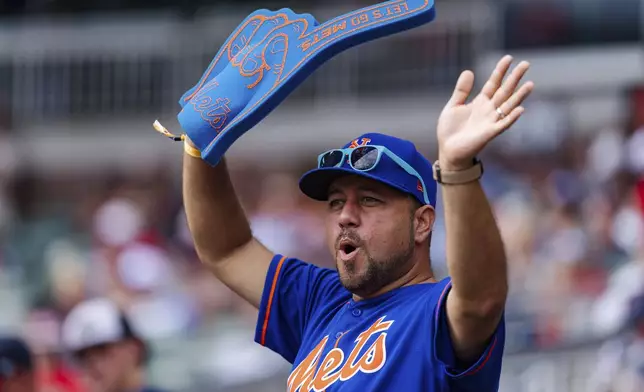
(517, 98)
(507, 121)
(495, 80)
(463, 88)
(508, 88)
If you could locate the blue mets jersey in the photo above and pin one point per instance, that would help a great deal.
(398, 341)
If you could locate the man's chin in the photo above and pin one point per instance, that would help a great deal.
(349, 271)
(354, 276)
(355, 284)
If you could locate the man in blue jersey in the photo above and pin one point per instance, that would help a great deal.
(380, 321)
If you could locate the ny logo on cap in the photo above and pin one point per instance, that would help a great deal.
(360, 142)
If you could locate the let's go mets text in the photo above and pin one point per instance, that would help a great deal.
(355, 20)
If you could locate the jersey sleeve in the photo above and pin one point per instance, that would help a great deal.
(484, 375)
(291, 292)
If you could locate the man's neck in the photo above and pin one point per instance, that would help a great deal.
(420, 273)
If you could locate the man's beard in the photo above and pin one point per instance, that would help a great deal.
(378, 274)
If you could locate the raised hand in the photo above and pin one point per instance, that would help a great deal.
(464, 129)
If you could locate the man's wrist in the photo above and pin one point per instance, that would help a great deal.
(451, 166)
(189, 142)
(190, 148)
(457, 174)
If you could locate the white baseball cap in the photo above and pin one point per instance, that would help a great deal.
(95, 322)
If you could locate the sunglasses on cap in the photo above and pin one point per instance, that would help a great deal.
(366, 158)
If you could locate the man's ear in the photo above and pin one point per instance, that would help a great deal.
(424, 218)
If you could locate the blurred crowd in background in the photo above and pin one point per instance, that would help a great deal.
(569, 203)
(572, 221)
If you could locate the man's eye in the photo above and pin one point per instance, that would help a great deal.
(370, 200)
(335, 203)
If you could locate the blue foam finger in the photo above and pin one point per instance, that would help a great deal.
(233, 42)
(271, 53)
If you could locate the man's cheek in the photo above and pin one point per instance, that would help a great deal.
(331, 236)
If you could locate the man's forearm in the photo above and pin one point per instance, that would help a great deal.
(215, 216)
(477, 266)
(475, 254)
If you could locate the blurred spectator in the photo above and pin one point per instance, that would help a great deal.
(107, 347)
(620, 364)
(605, 156)
(612, 308)
(277, 221)
(54, 374)
(66, 271)
(634, 148)
(17, 371)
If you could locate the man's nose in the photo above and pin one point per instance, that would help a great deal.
(350, 214)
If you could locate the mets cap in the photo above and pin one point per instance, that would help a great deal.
(315, 183)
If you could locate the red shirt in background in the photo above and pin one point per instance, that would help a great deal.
(61, 379)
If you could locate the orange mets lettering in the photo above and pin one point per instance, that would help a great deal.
(339, 26)
(326, 33)
(305, 45)
(327, 375)
(216, 114)
(307, 376)
(390, 10)
(362, 18)
(360, 143)
(303, 375)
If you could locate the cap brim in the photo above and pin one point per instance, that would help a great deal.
(315, 183)
(145, 347)
(79, 348)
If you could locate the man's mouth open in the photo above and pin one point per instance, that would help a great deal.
(347, 250)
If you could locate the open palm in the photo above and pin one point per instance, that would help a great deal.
(464, 129)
